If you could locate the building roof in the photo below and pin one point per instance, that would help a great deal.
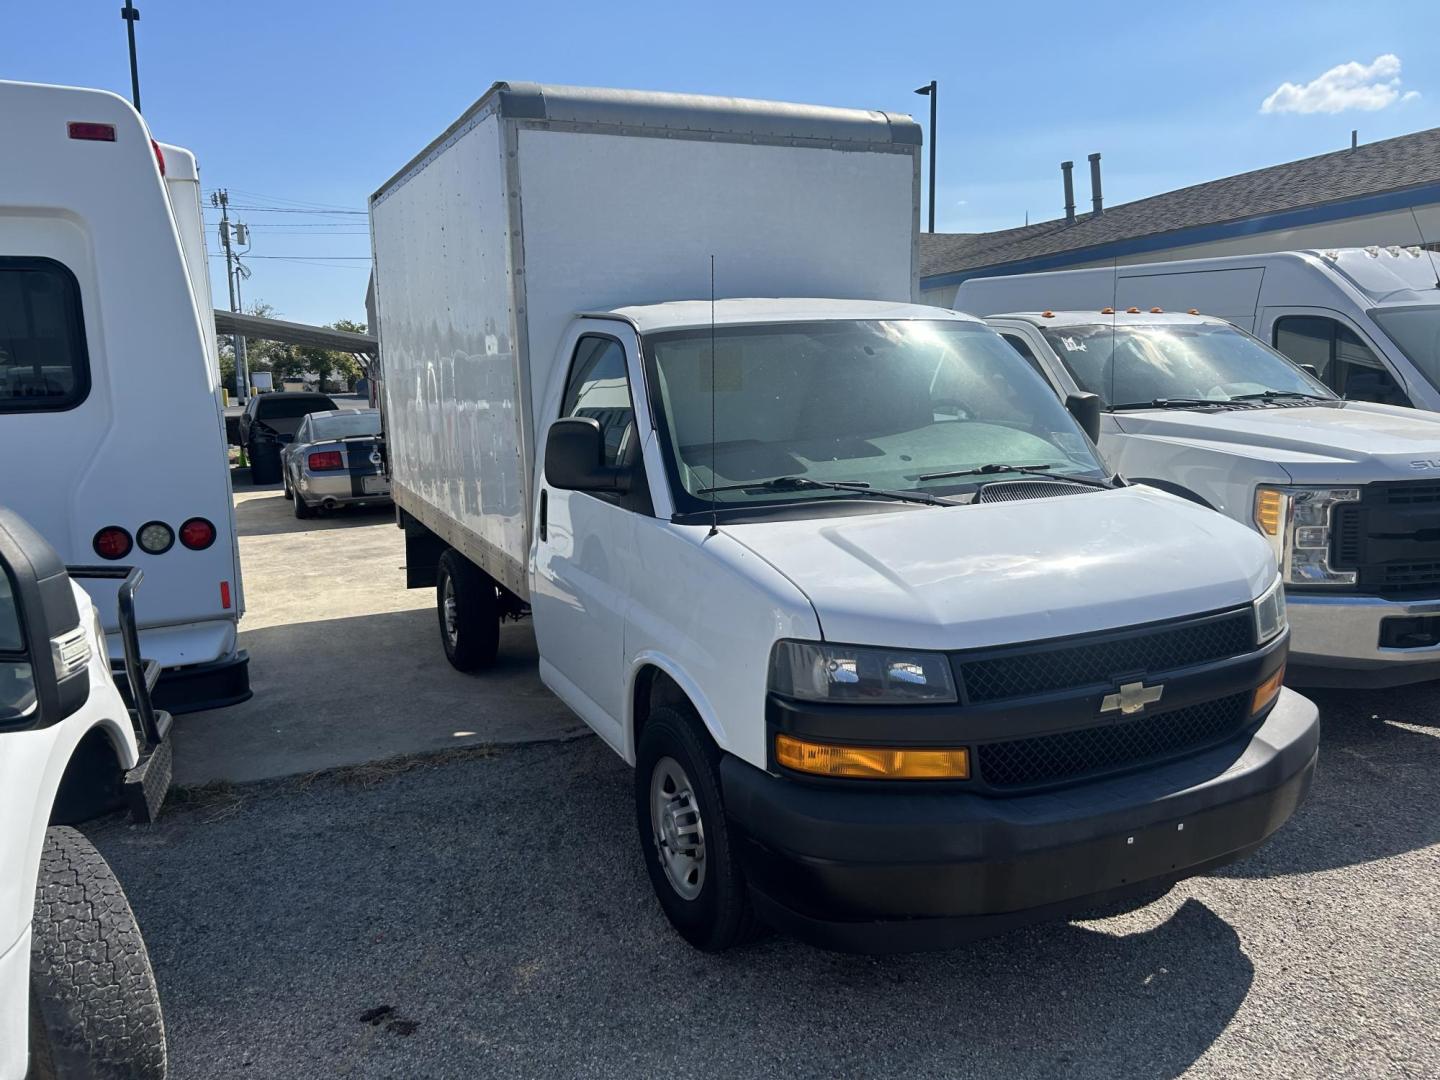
(678, 314)
(1341, 177)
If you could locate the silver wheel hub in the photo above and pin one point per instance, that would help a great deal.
(448, 609)
(679, 832)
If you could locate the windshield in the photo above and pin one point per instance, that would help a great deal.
(1131, 365)
(1416, 330)
(879, 403)
(343, 427)
(290, 406)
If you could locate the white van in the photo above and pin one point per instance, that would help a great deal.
(896, 659)
(1196, 406)
(111, 435)
(1367, 320)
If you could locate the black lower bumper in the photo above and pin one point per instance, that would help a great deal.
(895, 871)
(204, 686)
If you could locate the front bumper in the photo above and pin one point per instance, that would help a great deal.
(894, 871)
(1336, 640)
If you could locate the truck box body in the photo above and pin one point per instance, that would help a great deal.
(542, 201)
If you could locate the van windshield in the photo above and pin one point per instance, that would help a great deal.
(1416, 330)
(878, 402)
(1137, 364)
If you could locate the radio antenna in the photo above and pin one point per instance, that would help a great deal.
(714, 524)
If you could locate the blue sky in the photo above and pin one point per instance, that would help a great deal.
(315, 102)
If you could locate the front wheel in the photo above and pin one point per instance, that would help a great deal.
(94, 1009)
(684, 835)
(469, 611)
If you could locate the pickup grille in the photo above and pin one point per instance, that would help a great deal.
(1049, 759)
(1390, 538)
(1106, 658)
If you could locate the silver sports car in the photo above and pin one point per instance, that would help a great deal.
(335, 461)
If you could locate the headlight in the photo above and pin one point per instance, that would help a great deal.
(1270, 612)
(846, 673)
(1296, 521)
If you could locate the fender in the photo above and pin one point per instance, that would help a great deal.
(1172, 488)
(652, 658)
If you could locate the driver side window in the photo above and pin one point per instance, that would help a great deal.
(1345, 363)
(599, 389)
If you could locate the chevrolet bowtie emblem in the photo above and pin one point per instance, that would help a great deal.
(1132, 698)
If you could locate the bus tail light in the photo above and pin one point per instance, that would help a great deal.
(155, 538)
(197, 534)
(112, 542)
(225, 595)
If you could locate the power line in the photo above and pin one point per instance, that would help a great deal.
(287, 210)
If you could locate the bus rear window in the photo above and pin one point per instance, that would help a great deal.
(43, 362)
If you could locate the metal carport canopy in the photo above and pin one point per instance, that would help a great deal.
(292, 333)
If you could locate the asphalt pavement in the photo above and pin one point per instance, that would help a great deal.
(486, 914)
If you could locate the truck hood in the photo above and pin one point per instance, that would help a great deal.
(1003, 573)
(1374, 441)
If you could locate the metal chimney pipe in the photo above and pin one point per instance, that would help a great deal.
(1354, 138)
(1067, 168)
(1096, 199)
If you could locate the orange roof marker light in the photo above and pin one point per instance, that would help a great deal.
(1047, 314)
(1107, 311)
(1132, 311)
(1157, 311)
(1193, 311)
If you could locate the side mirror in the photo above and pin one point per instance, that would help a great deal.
(575, 458)
(44, 651)
(1311, 370)
(1085, 408)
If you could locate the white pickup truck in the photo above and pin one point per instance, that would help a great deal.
(77, 995)
(896, 657)
(1346, 492)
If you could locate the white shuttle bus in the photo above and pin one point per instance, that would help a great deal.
(111, 438)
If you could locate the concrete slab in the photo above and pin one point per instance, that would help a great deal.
(346, 663)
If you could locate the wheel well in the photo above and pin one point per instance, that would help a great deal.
(92, 784)
(653, 689)
(1172, 488)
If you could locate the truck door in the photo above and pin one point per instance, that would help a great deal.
(585, 547)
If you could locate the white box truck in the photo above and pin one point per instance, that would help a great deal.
(897, 660)
(112, 443)
(1198, 407)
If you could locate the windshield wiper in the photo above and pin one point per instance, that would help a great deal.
(1000, 467)
(803, 483)
(1268, 395)
(1173, 403)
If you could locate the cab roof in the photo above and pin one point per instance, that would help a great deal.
(1047, 319)
(687, 314)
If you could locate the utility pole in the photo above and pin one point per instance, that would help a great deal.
(130, 13)
(221, 199)
(932, 91)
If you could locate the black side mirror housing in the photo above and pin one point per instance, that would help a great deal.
(575, 458)
(38, 620)
(1311, 370)
(1085, 408)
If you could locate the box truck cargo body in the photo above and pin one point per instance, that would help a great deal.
(896, 657)
(546, 201)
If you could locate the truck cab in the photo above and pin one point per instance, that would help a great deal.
(1195, 406)
(897, 658)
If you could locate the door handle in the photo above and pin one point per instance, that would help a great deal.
(544, 511)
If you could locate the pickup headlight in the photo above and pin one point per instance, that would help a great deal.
(1270, 612)
(813, 671)
(1296, 521)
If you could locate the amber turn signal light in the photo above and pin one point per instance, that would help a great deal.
(1267, 691)
(1269, 508)
(871, 762)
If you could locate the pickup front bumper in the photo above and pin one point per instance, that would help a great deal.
(894, 871)
(1362, 641)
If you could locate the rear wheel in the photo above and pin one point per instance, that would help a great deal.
(684, 835)
(303, 509)
(94, 1009)
(469, 611)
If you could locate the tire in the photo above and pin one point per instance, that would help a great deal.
(468, 609)
(710, 908)
(285, 480)
(94, 1009)
(303, 510)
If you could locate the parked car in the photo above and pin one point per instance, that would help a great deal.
(335, 461)
(897, 659)
(107, 361)
(77, 993)
(269, 423)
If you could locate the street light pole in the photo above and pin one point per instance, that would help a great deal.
(932, 91)
(130, 13)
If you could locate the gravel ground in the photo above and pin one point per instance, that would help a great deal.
(488, 916)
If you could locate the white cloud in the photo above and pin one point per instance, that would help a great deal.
(1366, 87)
